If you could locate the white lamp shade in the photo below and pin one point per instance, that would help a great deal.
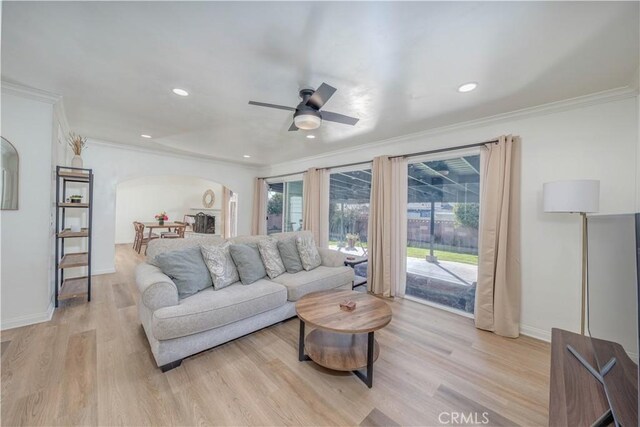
(578, 195)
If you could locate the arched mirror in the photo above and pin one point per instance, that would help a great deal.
(9, 176)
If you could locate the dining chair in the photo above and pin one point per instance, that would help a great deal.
(177, 233)
(141, 239)
(188, 220)
(136, 235)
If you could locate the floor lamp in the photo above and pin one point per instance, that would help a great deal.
(575, 196)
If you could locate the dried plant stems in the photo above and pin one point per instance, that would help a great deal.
(77, 143)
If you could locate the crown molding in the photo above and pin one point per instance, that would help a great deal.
(171, 152)
(28, 92)
(61, 115)
(603, 97)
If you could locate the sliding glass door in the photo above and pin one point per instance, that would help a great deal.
(442, 230)
(284, 206)
(349, 195)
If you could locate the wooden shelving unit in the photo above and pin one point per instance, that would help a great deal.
(72, 287)
(67, 233)
(73, 205)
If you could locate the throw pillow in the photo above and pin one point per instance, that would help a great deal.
(289, 254)
(309, 254)
(220, 264)
(271, 257)
(247, 259)
(187, 270)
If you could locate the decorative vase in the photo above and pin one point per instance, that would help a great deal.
(76, 162)
(161, 222)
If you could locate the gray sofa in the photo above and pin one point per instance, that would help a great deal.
(177, 328)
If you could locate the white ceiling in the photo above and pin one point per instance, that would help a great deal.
(396, 66)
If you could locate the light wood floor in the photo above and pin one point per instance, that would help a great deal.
(91, 365)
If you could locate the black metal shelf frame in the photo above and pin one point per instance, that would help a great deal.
(62, 179)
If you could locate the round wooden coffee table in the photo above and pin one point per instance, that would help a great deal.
(342, 340)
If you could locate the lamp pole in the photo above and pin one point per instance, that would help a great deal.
(585, 261)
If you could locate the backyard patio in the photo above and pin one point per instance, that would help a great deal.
(442, 230)
(449, 283)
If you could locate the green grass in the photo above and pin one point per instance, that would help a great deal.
(442, 255)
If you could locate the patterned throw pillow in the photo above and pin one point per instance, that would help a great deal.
(309, 254)
(220, 264)
(271, 257)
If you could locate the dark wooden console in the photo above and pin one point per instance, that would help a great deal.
(577, 398)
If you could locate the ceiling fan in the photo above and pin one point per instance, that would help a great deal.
(307, 114)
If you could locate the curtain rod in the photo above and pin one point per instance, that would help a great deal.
(420, 153)
(443, 150)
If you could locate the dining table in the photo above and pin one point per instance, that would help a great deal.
(168, 225)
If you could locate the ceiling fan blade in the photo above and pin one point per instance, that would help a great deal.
(293, 127)
(279, 107)
(321, 96)
(338, 118)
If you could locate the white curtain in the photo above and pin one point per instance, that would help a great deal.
(315, 205)
(226, 212)
(497, 305)
(259, 220)
(399, 193)
(387, 234)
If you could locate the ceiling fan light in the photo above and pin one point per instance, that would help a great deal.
(307, 121)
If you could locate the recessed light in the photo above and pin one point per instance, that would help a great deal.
(145, 136)
(468, 87)
(180, 92)
(311, 136)
(246, 156)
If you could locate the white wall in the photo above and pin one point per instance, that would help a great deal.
(140, 199)
(27, 234)
(113, 164)
(594, 139)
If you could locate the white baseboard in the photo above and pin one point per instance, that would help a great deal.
(29, 319)
(110, 270)
(536, 333)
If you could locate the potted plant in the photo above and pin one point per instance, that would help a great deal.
(161, 218)
(352, 239)
(76, 198)
(77, 144)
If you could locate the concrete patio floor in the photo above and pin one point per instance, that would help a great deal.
(454, 272)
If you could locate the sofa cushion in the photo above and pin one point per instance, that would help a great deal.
(211, 308)
(221, 266)
(290, 256)
(308, 252)
(319, 279)
(187, 270)
(160, 246)
(247, 259)
(271, 257)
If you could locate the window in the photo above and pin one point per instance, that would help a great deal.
(284, 206)
(442, 230)
(349, 196)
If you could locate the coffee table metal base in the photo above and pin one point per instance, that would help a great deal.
(372, 352)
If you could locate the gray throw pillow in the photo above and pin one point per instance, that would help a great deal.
(289, 254)
(248, 261)
(187, 270)
(271, 257)
(218, 260)
(308, 252)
